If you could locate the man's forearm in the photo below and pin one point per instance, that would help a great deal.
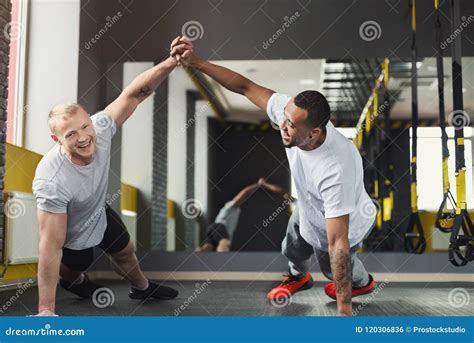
(341, 268)
(227, 78)
(147, 82)
(276, 189)
(244, 194)
(48, 275)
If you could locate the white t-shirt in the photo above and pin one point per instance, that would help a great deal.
(329, 183)
(80, 191)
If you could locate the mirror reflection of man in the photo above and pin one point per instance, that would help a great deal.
(220, 233)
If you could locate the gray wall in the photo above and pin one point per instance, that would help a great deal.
(238, 29)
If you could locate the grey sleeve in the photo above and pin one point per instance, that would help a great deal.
(50, 197)
(104, 125)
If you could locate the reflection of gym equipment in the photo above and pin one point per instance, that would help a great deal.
(415, 241)
(386, 188)
(445, 217)
(461, 241)
(374, 145)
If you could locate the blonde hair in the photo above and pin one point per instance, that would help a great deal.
(62, 111)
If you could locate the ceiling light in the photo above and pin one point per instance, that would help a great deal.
(307, 82)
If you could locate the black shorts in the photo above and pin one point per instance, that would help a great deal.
(216, 232)
(116, 238)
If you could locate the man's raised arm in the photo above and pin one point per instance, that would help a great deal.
(141, 87)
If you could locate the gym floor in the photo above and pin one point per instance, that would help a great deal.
(246, 298)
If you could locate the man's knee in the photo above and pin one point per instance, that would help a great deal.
(126, 253)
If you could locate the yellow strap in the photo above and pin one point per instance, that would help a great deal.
(385, 72)
(376, 102)
(460, 141)
(413, 16)
(379, 219)
(376, 188)
(413, 159)
(387, 209)
(414, 198)
(436, 4)
(170, 209)
(460, 191)
(360, 136)
(445, 176)
(368, 121)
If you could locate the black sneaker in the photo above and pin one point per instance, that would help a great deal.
(154, 290)
(85, 289)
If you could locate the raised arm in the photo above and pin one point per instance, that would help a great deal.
(139, 89)
(340, 258)
(244, 194)
(229, 79)
(52, 232)
(275, 189)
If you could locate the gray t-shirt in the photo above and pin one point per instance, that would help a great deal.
(229, 216)
(60, 186)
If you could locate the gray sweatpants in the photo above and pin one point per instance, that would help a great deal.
(299, 252)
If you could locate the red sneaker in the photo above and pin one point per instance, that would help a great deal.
(290, 286)
(330, 289)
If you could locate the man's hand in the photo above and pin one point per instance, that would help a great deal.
(181, 49)
(341, 265)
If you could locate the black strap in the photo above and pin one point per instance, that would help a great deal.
(415, 241)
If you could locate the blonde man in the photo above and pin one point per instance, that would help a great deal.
(70, 189)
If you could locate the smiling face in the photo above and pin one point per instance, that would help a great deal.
(295, 129)
(75, 132)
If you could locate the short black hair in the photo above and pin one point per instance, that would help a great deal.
(317, 107)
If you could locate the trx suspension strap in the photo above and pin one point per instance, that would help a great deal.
(386, 191)
(461, 241)
(445, 217)
(414, 237)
